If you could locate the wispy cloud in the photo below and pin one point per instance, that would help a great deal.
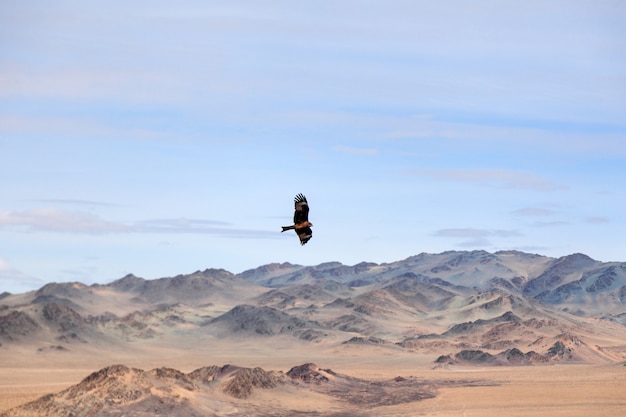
(180, 225)
(540, 213)
(73, 202)
(475, 238)
(554, 223)
(55, 220)
(133, 85)
(531, 248)
(475, 243)
(468, 232)
(534, 212)
(16, 279)
(355, 151)
(199, 226)
(61, 221)
(597, 220)
(498, 178)
(76, 126)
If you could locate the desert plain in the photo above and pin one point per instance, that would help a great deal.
(454, 334)
(554, 390)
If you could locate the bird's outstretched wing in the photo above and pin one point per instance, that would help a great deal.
(301, 213)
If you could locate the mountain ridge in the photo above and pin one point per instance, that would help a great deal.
(429, 303)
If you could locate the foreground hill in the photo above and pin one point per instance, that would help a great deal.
(304, 390)
(569, 309)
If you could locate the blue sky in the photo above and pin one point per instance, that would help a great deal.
(159, 138)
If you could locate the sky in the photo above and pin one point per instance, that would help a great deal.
(159, 138)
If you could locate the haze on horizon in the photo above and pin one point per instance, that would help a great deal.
(156, 138)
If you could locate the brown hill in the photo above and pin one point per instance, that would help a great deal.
(211, 391)
(120, 390)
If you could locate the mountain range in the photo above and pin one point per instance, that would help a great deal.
(571, 308)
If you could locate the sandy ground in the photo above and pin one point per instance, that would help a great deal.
(535, 391)
(554, 390)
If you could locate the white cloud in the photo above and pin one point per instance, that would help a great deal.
(76, 222)
(475, 238)
(462, 232)
(4, 266)
(74, 202)
(55, 220)
(199, 226)
(534, 212)
(550, 224)
(15, 281)
(86, 84)
(354, 150)
(90, 126)
(597, 220)
(469, 232)
(497, 178)
(475, 243)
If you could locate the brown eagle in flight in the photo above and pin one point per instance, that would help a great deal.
(301, 223)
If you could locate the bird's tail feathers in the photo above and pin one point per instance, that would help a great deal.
(287, 228)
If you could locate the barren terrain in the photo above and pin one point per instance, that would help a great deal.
(454, 334)
(556, 390)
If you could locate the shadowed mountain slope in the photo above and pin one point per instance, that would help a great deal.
(430, 304)
(574, 283)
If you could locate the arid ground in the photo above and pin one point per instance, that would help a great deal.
(454, 334)
(556, 390)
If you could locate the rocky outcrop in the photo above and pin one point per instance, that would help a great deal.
(16, 325)
(120, 390)
(247, 379)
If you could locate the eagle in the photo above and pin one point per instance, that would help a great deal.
(301, 223)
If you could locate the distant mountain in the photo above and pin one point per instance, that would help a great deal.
(193, 288)
(436, 304)
(574, 283)
(264, 321)
(559, 272)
